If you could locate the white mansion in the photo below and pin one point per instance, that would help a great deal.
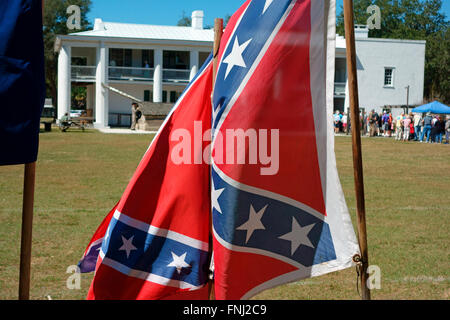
(155, 63)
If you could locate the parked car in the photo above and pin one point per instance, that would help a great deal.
(75, 113)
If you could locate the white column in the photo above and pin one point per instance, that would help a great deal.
(157, 76)
(64, 80)
(347, 98)
(101, 93)
(194, 64)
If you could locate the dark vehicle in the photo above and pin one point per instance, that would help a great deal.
(48, 111)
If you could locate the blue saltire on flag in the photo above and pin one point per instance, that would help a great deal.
(279, 216)
(154, 244)
(22, 80)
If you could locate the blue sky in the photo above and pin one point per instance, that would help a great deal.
(160, 12)
(168, 12)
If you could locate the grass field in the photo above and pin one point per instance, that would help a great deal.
(81, 175)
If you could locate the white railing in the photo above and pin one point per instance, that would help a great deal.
(130, 73)
(83, 72)
(339, 88)
(176, 75)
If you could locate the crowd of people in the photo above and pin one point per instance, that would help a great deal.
(341, 122)
(404, 127)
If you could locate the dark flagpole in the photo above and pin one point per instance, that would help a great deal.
(356, 144)
(218, 30)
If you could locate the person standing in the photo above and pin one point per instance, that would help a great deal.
(437, 131)
(349, 124)
(147, 70)
(344, 122)
(447, 130)
(373, 122)
(411, 130)
(337, 121)
(385, 121)
(362, 123)
(366, 125)
(398, 127)
(134, 107)
(417, 127)
(391, 125)
(442, 127)
(113, 71)
(406, 130)
(433, 122)
(380, 127)
(426, 127)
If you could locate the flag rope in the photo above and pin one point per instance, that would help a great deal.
(358, 260)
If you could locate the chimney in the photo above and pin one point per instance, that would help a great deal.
(361, 31)
(99, 25)
(197, 19)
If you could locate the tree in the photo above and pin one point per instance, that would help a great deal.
(54, 23)
(414, 20)
(226, 20)
(184, 21)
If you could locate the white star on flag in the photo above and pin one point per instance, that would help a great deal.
(298, 236)
(215, 194)
(266, 5)
(127, 245)
(235, 57)
(178, 262)
(253, 223)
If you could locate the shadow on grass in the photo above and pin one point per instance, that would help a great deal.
(90, 131)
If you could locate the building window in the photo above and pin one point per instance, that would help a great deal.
(176, 60)
(147, 58)
(120, 57)
(164, 96)
(173, 96)
(148, 95)
(388, 77)
(202, 56)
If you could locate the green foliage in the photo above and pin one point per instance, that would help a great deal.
(414, 20)
(184, 21)
(226, 20)
(78, 97)
(55, 18)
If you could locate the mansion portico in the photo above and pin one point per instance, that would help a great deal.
(152, 63)
(155, 63)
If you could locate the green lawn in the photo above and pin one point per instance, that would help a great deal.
(81, 175)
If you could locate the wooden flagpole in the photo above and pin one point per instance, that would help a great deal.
(27, 225)
(218, 30)
(356, 142)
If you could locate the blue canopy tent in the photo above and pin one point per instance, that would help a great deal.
(434, 107)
